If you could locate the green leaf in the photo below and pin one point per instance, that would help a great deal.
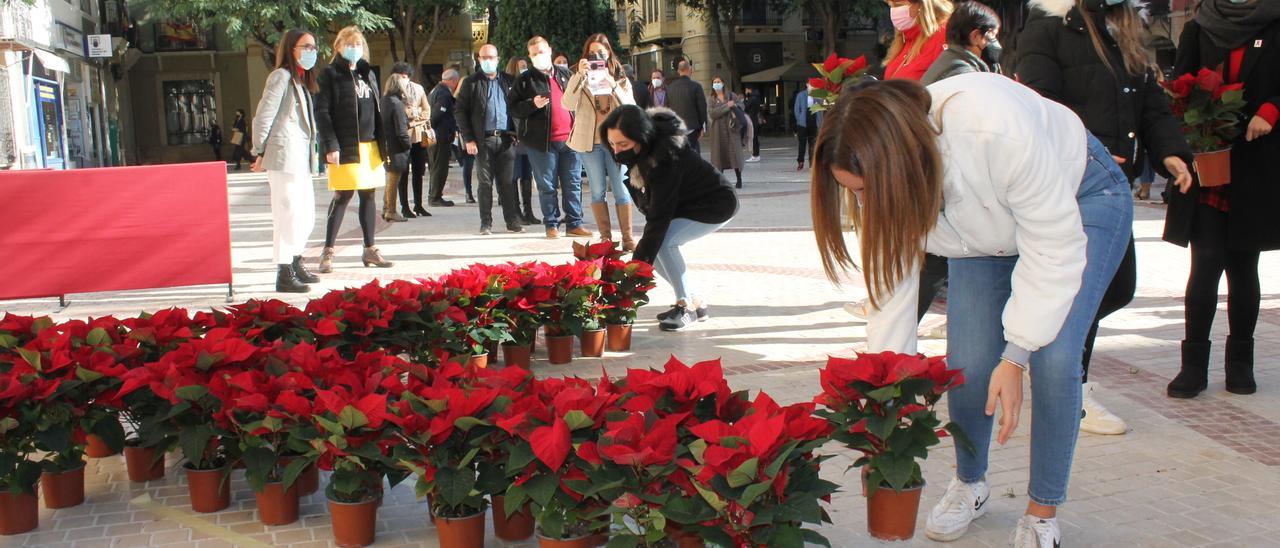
(577, 419)
(787, 536)
(541, 488)
(32, 357)
(744, 473)
(620, 541)
(258, 464)
(697, 448)
(87, 375)
(192, 392)
(465, 424)
(713, 499)
(466, 460)
(7, 424)
(752, 491)
(293, 470)
(814, 537)
(329, 426)
(54, 440)
(351, 418)
(897, 471)
(98, 337)
(454, 485)
(521, 456)
(194, 442)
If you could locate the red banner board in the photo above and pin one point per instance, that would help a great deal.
(87, 230)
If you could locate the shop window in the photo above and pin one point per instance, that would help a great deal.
(189, 109)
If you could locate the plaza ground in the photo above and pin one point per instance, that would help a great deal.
(1204, 472)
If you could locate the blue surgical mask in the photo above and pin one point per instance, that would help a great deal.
(489, 66)
(717, 86)
(308, 59)
(352, 54)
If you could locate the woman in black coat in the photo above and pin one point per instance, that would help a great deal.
(682, 197)
(1090, 56)
(1227, 227)
(353, 141)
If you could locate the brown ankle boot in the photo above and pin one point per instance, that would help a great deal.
(372, 257)
(326, 261)
(601, 212)
(624, 225)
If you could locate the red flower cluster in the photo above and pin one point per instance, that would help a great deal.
(835, 73)
(1210, 111)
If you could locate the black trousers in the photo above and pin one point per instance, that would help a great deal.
(217, 152)
(522, 177)
(805, 143)
(693, 141)
(338, 209)
(418, 166)
(494, 160)
(439, 154)
(933, 277)
(241, 153)
(1210, 257)
(1119, 294)
(755, 141)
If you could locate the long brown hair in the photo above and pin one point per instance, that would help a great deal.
(1126, 27)
(930, 19)
(882, 132)
(615, 66)
(285, 59)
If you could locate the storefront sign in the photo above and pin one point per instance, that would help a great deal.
(99, 45)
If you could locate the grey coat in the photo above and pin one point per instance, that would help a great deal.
(952, 62)
(284, 125)
(725, 135)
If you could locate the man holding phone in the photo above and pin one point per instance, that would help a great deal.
(544, 131)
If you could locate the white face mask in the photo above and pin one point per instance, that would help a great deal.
(542, 61)
(657, 82)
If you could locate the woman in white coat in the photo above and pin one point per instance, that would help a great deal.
(284, 134)
(1033, 215)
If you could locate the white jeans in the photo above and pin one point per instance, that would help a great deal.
(293, 213)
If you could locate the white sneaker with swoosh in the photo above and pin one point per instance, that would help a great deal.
(959, 506)
(1035, 532)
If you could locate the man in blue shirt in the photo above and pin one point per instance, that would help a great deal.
(487, 133)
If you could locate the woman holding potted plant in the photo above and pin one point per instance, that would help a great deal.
(1036, 221)
(1228, 226)
(1068, 50)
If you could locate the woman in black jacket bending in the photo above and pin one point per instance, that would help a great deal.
(682, 197)
(1089, 55)
(1228, 226)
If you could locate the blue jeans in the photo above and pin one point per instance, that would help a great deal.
(558, 168)
(600, 165)
(670, 262)
(979, 289)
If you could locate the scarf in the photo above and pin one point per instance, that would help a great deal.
(1231, 25)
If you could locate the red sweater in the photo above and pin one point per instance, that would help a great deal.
(902, 68)
(561, 120)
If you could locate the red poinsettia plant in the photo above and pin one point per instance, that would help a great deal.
(527, 289)
(624, 285)
(1209, 109)
(21, 392)
(466, 306)
(372, 317)
(882, 405)
(760, 474)
(835, 72)
(553, 462)
(574, 306)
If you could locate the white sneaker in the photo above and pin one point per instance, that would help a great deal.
(753, 159)
(1096, 419)
(1034, 532)
(959, 506)
(858, 309)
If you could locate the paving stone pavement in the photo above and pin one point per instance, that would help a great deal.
(1189, 473)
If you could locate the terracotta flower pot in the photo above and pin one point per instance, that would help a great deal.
(515, 528)
(593, 343)
(619, 337)
(467, 532)
(354, 523)
(891, 515)
(63, 489)
(210, 489)
(516, 355)
(98, 449)
(559, 349)
(478, 361)
(1214, 168)
(143, 463)
(309, 481)
(588, 541)
(276, 506)
(18, 513)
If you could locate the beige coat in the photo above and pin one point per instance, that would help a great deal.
(419, 111)
(578, 100)
(726, 141)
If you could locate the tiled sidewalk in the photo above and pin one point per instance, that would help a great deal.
(1189, 473)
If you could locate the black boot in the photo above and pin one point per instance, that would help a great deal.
(1194, 376)
(287, 282)
(1240, 366)
(300, 271)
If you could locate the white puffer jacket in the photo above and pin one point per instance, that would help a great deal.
(1012, 165)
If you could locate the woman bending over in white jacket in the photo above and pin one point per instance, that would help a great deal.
(1033, 215)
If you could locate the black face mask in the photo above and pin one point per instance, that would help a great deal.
(991, 53)
(627, 157)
